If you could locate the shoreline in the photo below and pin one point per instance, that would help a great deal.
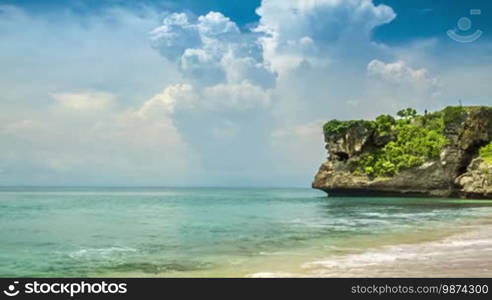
(465, 254)
(461, 248)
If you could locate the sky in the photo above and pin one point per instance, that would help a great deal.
(219, 93)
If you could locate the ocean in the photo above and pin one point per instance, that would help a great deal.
(217, 232)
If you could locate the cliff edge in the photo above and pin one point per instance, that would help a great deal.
(442, 154)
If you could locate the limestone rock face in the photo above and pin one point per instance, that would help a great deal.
(458, 172)
(350, 142)
(477, 181)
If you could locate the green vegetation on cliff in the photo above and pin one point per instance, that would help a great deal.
(404, 142)
(410, 140)
(486, 153)
(453, 114)
(335, 127)
(416, 139)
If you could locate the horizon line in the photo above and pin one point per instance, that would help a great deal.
(152, 186)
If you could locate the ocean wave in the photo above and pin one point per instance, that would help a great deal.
(99, 252)
(456, 249)
(160, 268)
(278, 253)
(463, 254)
(272, 275)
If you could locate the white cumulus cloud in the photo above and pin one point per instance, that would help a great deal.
(398, 85)
(311, 30)
(400, 72)
(85, 101)
(211, 49)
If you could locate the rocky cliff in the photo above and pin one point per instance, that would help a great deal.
(438, 155)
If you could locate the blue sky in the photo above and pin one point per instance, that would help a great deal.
(217, 93)
(419, 19)
(416, 18)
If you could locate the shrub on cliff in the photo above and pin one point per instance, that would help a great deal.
(453, 114)
(408, 113)
(336, 127)
(417, 139)
(401, 143)
(384, 124)
(486, 153)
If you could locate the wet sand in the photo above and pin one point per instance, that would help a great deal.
(467, 254)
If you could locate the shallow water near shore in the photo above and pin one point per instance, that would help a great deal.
(213, 232)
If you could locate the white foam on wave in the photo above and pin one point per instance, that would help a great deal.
(363, 259)
(451, 249)
(272, 275)
(451, 256)
(99, 252)
(279, 253)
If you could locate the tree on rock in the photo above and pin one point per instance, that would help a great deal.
(408, 113)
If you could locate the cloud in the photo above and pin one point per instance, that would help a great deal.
(53, 52)
(216, 25)
(396, 85)
(175, 35)
(137, 146)
(164, 103)
(88, 101)
(221, 122)
(241, 96)
(400, 73)
(225, 108)
(185, 97)
(306, 30)
(211, 49)
(289, 69)
(226, 131)
(141, 97)
(72, 112)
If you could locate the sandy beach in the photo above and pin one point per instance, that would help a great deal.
(466, 254)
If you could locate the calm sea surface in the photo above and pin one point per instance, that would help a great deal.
(206, 231)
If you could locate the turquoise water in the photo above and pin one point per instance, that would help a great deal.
(202, 232)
